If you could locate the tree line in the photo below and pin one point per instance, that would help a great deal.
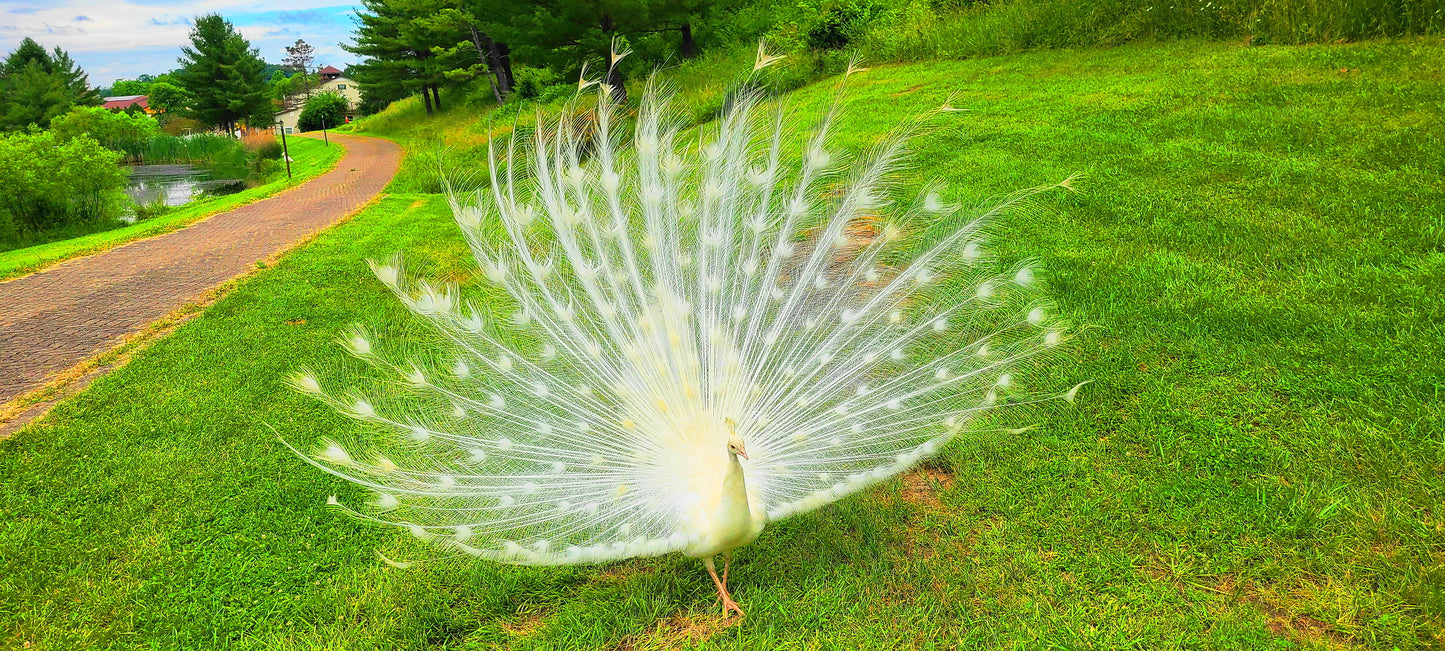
(522, 47)
(408, 47)
(420, 46)
(221, 81)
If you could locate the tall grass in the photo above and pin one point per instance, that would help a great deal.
(206, 149)
(262, 145)
(917, 31)
(895, 31)
(199, 149)
(455, 138)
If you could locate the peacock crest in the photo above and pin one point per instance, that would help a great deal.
(660, 298)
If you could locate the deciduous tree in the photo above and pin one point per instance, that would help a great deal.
(129, 87)
(166, 97)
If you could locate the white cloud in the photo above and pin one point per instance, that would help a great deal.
(125, 38)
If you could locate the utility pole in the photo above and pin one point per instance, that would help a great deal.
(324, 137)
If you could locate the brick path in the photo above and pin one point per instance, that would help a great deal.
(57, 318)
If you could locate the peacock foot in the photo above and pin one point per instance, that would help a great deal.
(729, 605)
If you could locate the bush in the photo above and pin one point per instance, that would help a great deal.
(124, 132)
(537, 85)
(328, 108)
(838, 25)
(50, 182)
(532, 83)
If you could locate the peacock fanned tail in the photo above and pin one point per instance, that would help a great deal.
(655, 281)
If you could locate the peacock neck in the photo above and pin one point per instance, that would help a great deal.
(735, 487)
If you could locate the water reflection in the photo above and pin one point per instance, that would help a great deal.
(177, 184)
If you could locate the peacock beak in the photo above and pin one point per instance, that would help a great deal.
(742, 452)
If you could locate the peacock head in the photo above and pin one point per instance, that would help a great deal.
(735, 442)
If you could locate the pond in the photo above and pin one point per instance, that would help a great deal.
(178, 184)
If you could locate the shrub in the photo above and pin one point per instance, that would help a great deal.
(47, 182)
(532, 83)
(838, 25)
(125, 132)
(267, 169)
(328, 108)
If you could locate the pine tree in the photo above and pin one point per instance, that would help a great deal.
(563, 32)
(397, 37)
(300, 57)
(386, 71)
(36, 86)
(32, 96)
(29, 52)
(75, 79)
(222, 74)
(478, 52)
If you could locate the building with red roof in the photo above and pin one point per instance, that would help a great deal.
(123, 102)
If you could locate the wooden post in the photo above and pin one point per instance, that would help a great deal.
(285, 152)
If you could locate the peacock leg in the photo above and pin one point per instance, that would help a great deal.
(727, 561)
(722, 591)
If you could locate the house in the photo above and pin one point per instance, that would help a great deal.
(123, 102)
(332, 80)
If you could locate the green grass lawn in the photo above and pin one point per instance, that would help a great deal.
(1255, 265)
(309, 159)
(457, 136)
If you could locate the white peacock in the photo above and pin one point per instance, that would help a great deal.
(697, 336)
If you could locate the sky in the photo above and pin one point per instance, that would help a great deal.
(119, 39)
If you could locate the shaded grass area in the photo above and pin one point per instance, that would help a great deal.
(1255, 265)
(310, 159)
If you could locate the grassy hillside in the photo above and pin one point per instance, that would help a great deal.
(453, 141)
(1254, 263)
